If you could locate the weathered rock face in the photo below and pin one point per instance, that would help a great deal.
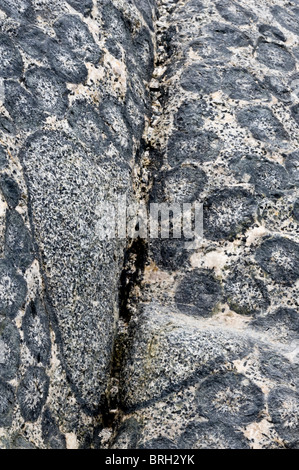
(213, 356)
(113, 343)
(75, 101)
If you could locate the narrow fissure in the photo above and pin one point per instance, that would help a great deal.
(136, 255)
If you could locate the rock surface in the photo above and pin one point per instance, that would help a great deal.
(144, 344)
(213, 357)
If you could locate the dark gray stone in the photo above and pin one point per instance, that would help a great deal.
(66, 185)
(235, 13)
(279, 258)
(135, 113)
(208, 436)
(284, 323)
(6, 125)
(128, 435)
(18, 244)
(87, 125)
(83, 6)
(201, 79)
(278, 368)
(269, 178)
(113, 115)
(3, 158)
(190, 116)
(65, 63)
(7, 402)
(262, 124)
(49, 90)
(13, 289)
(114, 23)
(11, 63)
(169, 254)
(227, 213)
(239, 84)
(9, 350)
(32, 393)
(22, 106)
(200, 147)
(230, 398)
(278, 89)
(295, 113)
(146, 8)
(283, 407)
(230, 36)
(74, 35)
(292, 166)
(275, 56)
(272, 33)
(160, 442)
(10, 190)
(32, 40)
(287, 18)
(296, 210)
(36, 331)
(19, 9)
(246, 295)
(198, 293)
(180, 185)
(144, 53)
(52, 436)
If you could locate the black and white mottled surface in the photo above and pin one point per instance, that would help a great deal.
(168, 101)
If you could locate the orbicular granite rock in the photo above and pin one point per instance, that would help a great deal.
(212, 356)
(75, 101)
(157, 343)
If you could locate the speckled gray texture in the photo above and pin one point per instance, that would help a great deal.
(109, 344)
(213, 359)
(73, 110)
